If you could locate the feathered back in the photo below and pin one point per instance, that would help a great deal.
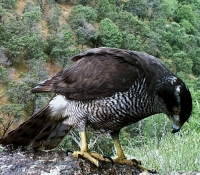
(101, 72)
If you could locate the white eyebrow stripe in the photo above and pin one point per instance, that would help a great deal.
(177, 93)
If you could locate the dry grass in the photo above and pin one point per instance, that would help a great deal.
(20, 6)
(3, 99)
(51, 68)
(65, 10)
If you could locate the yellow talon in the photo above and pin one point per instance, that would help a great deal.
(95, 157)
(86, 155)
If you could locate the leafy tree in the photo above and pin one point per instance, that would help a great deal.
(110, 34)
(8, 4)
(162, 9)
(168, 8)
(182, 62)
(36, 73)
(128, 24)
(153, 43)
(81, 13)
(3, 75)
(175, 35)
(196, 64)
(82, 19)
(137, 8)
(189, 28)
(15, 39)
(52, 16)
(185, 12)
(62, 46)
(19, 93)
(11, 114)
(132, 42)
(33, 49)
(105, 7)
(32, 15)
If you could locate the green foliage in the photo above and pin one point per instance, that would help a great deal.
(62, 46)
(168, 7)
(33, 47)
(32, 11)
(182, 63)
(19, 93)
(104, 8)
(82, 19)
(79, 14)
(36, 72)
(11, 113)
(3, 75)
(185, 12)
(110, 34)
(137, 8)
(8, 4)
(12, 110)
(189, 28)
(53, 16)
(128, 24)
(194, 123)
(132, 42)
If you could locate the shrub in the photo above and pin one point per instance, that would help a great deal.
(110, 34)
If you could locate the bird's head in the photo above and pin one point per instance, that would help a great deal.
(178, 101)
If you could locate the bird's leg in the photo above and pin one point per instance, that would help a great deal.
(85, 153)
(123, 160)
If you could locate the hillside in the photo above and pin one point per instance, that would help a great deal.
(38, 37)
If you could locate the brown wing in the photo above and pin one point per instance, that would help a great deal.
(97, 73)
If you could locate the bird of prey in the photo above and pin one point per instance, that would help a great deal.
(105, 89)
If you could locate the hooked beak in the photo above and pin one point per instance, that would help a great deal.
(176, 126)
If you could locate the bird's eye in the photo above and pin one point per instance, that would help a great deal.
(176, 111)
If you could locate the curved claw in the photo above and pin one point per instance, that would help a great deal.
(109, 158)
(152, 171)
(69, 151)
(136, 162)
(100, 168)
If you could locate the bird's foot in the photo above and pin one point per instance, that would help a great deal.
(92, 157)
(132, 162)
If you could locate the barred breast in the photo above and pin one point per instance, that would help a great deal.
(113, 113)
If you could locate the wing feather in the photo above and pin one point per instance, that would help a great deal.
(100, 72)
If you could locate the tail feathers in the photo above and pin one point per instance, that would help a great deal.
(39, 131)
(51, 136)
(28, 130)
(44, 86)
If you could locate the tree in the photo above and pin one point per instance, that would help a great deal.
(137, 8)
(81, 13)
(110, 34)
(168, 7)
(132, 42)
(82, 19)
(182, 62)
(62, 46)
(3, 75)
(11, 114)
(105, 7)
(8, 4)
(129, 24)
(185, 12)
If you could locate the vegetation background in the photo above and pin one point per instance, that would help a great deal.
(37, 38)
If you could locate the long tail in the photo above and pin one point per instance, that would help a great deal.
(39, 131)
